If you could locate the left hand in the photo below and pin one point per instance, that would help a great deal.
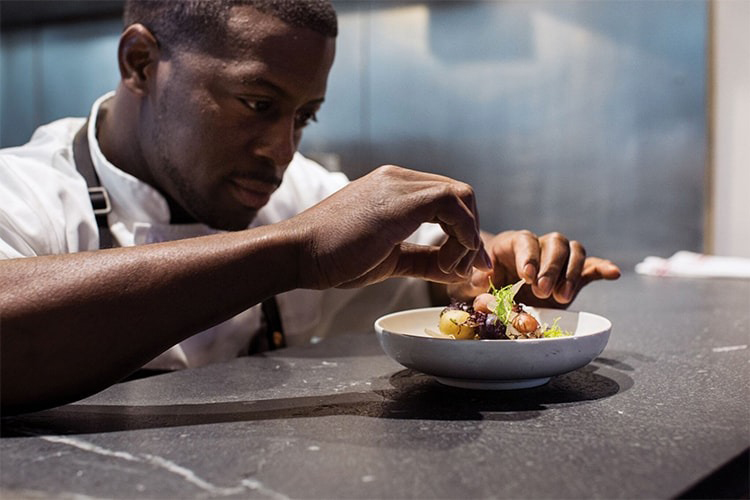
(555, 267)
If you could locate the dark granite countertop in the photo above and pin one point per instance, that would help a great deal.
(666, 405)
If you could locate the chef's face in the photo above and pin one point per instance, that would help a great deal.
(223, 125)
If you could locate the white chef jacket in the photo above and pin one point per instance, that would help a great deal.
(45, 209)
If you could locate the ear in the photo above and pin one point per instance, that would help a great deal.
(137, 56)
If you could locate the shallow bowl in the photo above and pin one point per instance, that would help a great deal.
(492, 364)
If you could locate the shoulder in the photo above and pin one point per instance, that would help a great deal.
(48, 153)
(45, 205)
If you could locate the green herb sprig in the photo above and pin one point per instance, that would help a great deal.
(504, 298)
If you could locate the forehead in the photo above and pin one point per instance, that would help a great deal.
(260, 46)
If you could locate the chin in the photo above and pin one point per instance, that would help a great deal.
(233, 223)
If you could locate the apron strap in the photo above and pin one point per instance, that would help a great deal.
(274, 329)
(98, 195)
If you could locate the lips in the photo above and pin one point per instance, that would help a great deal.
(252, 193)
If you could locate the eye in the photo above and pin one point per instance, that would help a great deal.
(304, 118)
(257, 105)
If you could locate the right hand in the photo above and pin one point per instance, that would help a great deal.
(555, 267)
(356, 236)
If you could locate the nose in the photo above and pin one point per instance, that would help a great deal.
(279, 142)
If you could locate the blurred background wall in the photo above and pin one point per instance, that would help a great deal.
(587, 117)
(728, 228)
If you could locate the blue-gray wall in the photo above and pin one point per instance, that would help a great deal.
(52, 72)
(587, 117)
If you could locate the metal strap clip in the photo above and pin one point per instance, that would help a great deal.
(100, 200)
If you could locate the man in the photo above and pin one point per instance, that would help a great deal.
(192, 148)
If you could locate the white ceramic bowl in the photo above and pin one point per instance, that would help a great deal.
(492, 364)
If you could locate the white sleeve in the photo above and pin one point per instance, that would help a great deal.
(24, 231)
(44, 204)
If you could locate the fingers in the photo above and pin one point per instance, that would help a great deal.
(450, 255)
(596, 268)
(367, 244)
(527, 250)
(416, 197)
(561, 268)
(456, 213)
(555, 267)
(553, 260)
(569, 282)
(568, 285)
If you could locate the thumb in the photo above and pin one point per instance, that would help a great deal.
(420, 261)
(407, 260)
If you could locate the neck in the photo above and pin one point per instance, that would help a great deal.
(118, 135)
(177, 214)
(119, 140)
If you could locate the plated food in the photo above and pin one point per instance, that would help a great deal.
(495, 315)
(412, 339)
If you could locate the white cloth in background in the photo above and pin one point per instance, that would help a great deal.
(695, 265)
(45, 209)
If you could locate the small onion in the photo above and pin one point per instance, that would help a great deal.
(525, 323)
(485, 303)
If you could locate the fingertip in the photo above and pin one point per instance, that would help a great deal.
(611, 271)
(545, 287)
(529, 273)
(567, 292)
(484, 261)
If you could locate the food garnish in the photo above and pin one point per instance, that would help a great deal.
(494, 315)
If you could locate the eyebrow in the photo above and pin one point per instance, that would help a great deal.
(262, 82)
(259, 81)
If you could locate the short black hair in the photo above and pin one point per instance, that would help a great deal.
(203, 23)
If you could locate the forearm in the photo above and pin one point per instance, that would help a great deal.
(74, 324)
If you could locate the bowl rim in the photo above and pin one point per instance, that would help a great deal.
(382, 331)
